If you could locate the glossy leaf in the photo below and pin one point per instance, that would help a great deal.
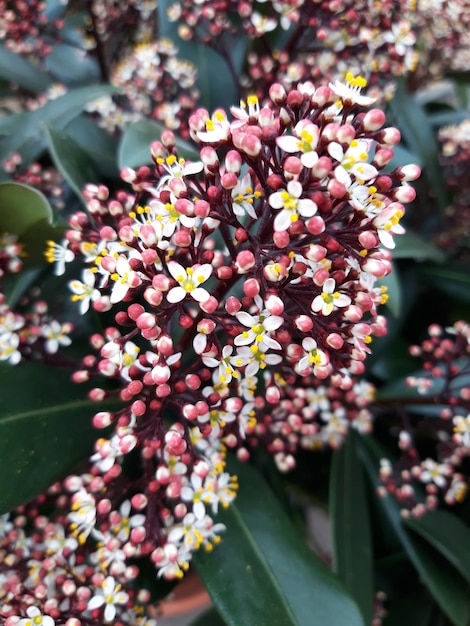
(74, 163)
(263, 574)
(448, 534)
(134, 149)
(97, 143)
(21, 207)
(19, 71)
(412, 246)
(453, 280)
(208, 618)
(450, 591)
(352, 543)
(45, 429)
(68, 64)
(29, 138)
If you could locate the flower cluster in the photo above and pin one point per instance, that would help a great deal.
(240, 282)
(155, 84)
(326, 40)
(26, 29)
(48, 577)
(444, 415)
(443, 31)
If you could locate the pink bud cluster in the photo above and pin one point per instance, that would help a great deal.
(155, 83)
(443, 413)
(239, 282)
(48, 180)
(326, 39)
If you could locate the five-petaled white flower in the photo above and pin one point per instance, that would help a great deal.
(189, 281)
(329, 299)
(313, 357)
(351, 90)
(291, 204)
(435, 472)
(305, 141)
(108, 596)
(353, 161)
(60, 255)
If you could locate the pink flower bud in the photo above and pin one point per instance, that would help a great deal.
(210, 305)
(168, 139)
(233, 162)
(335, 341)
(228, 181)
(281, 238)
(278, 94)
(274, 304)
(382, 157)
(315, 225)
(244, 262)
(232, 305)
(303, 323)
(251, 287)
(389, 136)
(374, 120)
(346, 133)
(178, 187)
(153, 296)
(247, 143)
(405, 194)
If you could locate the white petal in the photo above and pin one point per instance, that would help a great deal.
(200, 294)
(95, 602)
(176, 295)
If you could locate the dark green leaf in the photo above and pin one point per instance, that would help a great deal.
(263, 574)
(19, 71)
(415, 609)
(68, 64)
(45, 429)
(21, 207)
(450, 591)
(412, 246)
(208, 618)
(29, 138)
(452, 280)
(134, 149)
(97, 143)
(449, 535)
(71, 160)
(352, 544)
(416, 130)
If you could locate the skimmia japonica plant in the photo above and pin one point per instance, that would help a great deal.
(233, 295)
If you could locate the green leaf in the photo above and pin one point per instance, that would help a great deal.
(97, 143)
(417, 132)
(263, 574)
(68, 64)
(352, 543)
(21, 207)
(74, 163)
(415, 609)
(45, 429)
(208, 618)
(443, 581)
(448, 534)
(451, 279)
(134, 149)
(29, 138)
(19, 71)
(412, 246)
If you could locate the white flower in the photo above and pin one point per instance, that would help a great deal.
(387, 224)
(124, 278)
(243, 196)
(217, 128)
(314, 356)
(83, 514)
(55, 335)
(353, 161)
(462, 430)
(109, 596)
(60, 255)
(255, 359)
(9, 343)
(177, 168)
(435, 472)
(351, 92)
(305, 141)
(36, 618)
(226, 365)
(261, 326)
(190, 280)
(329, 299)
(84, 292)
(291, 204)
